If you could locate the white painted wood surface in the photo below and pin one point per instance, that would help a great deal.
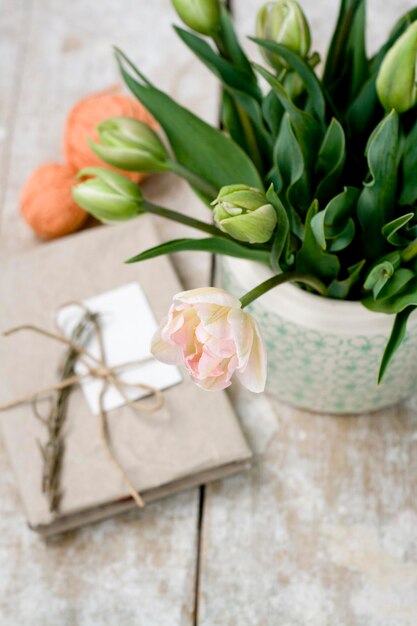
(322, 532)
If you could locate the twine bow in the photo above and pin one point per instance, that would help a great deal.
(96, 367)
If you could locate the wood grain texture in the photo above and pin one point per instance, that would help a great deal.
(140, 567)
(122, 571)
(15, 16)
(322, 532)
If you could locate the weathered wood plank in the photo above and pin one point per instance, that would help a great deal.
(139, 569)
(14, 25)
(322, 531)
(123, 571)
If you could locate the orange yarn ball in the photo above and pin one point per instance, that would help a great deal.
(46, 202)
(86, 115)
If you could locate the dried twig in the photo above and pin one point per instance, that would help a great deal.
(53, 450)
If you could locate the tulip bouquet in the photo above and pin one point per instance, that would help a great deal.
(314, 175)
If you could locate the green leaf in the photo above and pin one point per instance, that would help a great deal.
(333, 227)
(250, 134)
(215, 245)
(294, 189)
(379, 275)
(242, 118)
(273, 111)
(317, 226)
(346, 66)
(391, 230)
(404, 297)
(409, 168)
(339, 209)
(306, 128)
(229, 74)
(343, 239)
(282, 232)
(381, 272)
(340, 289)
(361, 113)
(222, 162)
(401, 277)
(397, 336)
(376, 204)
(232, 123)
(231, 44)
(303, 69)
(311, 258)
(330, 162)
(254, 112)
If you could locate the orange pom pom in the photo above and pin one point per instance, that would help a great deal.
(86, 115)
(46, 202)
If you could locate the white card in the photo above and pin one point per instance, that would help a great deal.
(127, 324)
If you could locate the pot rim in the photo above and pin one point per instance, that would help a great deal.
(311, 310)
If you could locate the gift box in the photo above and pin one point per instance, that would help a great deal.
(193, 438)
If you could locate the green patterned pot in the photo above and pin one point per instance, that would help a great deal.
(323, 354)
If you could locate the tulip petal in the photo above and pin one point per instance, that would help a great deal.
(224, 349)
(208, 365)
(171, 324)
(253, 376)
(243, 334)
(183, 336)
(165, 351)
(210, 295)
(215, 383)
(214, 320)
(253, 227)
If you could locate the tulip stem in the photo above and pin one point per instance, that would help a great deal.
(280, 279)
(249, 136)
(174, 216)
(218, 40)
(194, 180)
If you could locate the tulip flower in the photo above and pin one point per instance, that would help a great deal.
(203, 16)
(245, 214)
(207, 331)
(108, 196)
(285, 23)
(130, 145)
(396, 82)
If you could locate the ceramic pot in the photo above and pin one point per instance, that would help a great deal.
(323, 354)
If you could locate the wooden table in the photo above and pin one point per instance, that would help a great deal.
(323, 530)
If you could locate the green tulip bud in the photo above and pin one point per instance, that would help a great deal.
(293, 83)
(130, 145)
(396, 82)
(108, 196)
(244, 213)
(285, 23)
(203, 16)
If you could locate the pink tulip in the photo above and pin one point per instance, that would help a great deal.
(207, 331)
